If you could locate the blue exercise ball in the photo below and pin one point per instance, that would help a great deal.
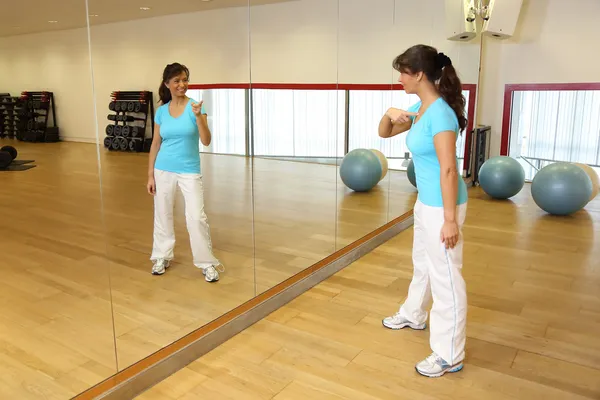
(561, 188)
(501, 177)
(360, 170)
(410, 173)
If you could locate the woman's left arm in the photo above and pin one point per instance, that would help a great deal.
(202, 122)
(445, 147)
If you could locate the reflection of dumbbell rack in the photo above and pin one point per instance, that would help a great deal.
(40, 118)
(13, 116)
(128, 132)
(3, 115)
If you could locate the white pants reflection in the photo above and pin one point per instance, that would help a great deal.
(438, 275)
(197, 222)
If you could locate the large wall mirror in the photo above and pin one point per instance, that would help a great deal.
(56, 326)
(169, 84)
(178, 159)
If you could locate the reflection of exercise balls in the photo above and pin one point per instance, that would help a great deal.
(594, 178)
(501, 177)
(561, 188)
(360, 170)
(383, 161)
(410, 173)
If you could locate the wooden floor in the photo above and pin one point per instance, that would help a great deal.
(533, 322)
(75, 257)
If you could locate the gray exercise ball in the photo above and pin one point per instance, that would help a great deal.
(410, 173)
(501, 177)
(360, 170)
(561, 188)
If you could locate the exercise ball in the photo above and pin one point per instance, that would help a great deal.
(360, 170)
(501, 177)
(383, 161)
(593, 176)
(410, 173)
(561, 188)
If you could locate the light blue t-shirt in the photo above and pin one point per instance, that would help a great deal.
(438, 117)
(180, 148)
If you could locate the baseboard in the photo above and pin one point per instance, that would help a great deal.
(143, 375)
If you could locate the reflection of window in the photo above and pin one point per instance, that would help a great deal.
(226, 118)
(557, 125)
(366, 109)
(298, 123)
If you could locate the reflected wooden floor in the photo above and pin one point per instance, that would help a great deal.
(533, 322)
(67, 242)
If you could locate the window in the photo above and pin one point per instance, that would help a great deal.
(226, 118)
(298, 123)
(555, 125)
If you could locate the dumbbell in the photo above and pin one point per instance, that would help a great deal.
(117, 130)
(7, 155)
(129, 118)
(137, 131)
(114, 145)
(123, 145)
(136, 145)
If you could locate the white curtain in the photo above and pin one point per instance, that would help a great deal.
(304, 123)
(550, 126)
(298, 123)
(226, 119)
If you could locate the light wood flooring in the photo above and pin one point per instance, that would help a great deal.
(533, 322)
(75, 256)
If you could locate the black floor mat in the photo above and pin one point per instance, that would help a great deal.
(21, 162)
(13, 167)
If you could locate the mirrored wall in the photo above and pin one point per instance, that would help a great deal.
(176, 160)
(56, 326)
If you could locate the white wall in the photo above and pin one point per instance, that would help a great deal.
(556, 42)
(307, 41)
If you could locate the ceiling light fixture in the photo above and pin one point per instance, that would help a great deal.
(144, 8)
(53, 22)
(93, 15)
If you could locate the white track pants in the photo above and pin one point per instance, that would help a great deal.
(437, 274)
(197, 223)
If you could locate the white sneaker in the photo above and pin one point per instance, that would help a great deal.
(397, 321)
(160, 266)
(211, 274)
(434, 366)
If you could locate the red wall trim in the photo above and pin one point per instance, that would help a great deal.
(308, 86)
(524, 87)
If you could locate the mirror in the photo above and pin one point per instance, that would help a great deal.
(297, 120)
(56, 327)
(175, 183)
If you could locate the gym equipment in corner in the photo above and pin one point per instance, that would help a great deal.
(130, 135)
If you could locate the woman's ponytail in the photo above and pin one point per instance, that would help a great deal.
(450, 89)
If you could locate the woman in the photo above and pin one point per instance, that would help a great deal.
(439, 214)
(175, 161)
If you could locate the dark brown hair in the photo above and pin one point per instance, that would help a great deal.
(171, 70)
(438, 68)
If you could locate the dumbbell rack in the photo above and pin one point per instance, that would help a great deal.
(39, 112)
(130, 108)
(12, 116)
(3, 115)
